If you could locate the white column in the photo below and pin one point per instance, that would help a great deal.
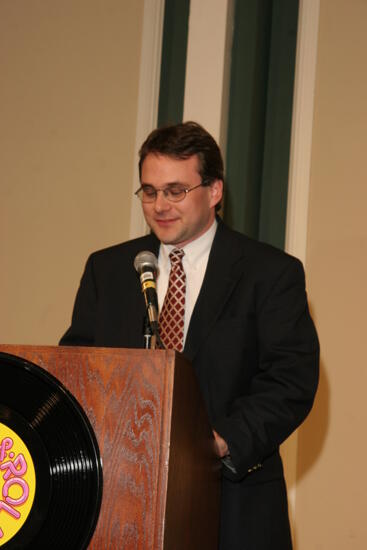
(150, 69)
(208, 65)
(302, 121)
(299, 176)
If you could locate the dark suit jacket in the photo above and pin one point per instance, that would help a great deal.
(251, 340)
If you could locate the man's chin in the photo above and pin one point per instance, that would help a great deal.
(165, 235)
(167, 240)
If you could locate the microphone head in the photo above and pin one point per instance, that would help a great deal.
(145, 260)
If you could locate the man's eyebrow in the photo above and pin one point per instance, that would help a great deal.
(169, 184)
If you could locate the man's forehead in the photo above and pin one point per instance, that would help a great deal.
(170, 164)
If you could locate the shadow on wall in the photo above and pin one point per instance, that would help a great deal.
(312, 434)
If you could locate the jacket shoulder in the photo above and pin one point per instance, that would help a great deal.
(125, 250)
(258, 253)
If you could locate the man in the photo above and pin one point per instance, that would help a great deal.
(246, 327)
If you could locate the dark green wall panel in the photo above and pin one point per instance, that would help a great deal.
(260, 116)
(173, 65)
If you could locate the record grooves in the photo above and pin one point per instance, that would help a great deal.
(53, 431)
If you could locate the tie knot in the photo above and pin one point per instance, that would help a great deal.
(176, 256)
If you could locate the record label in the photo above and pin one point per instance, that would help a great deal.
(17, 483)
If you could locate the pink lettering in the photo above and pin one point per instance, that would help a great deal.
(9, 510)
(5, 445)
(12, 473)
(12, 467)
(25, 491)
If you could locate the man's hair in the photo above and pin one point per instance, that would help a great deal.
(182, 141)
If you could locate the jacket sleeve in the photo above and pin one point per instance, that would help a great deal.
(282, 390)
(82, 329)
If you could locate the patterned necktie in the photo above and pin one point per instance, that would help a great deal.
(172, 317)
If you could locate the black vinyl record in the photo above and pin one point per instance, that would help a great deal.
(53, 430)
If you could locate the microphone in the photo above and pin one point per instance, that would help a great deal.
(146, 264)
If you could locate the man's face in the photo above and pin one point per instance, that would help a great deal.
(178, 223)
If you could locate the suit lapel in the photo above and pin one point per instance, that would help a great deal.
(225, 268)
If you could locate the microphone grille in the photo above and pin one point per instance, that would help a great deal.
(145, 259)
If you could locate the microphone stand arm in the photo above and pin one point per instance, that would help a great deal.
(152, 339)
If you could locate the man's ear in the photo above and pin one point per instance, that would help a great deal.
(216, 188)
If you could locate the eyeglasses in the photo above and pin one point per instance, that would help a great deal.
(173, 193)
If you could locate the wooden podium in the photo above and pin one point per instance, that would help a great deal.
(160, 476)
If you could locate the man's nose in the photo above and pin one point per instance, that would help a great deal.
(161, 203)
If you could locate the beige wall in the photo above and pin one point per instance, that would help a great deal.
(68, 108)
(332, 452)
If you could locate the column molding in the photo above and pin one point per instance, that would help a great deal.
(208, 64)
(299, 177)
(148, 96)
(301, 139)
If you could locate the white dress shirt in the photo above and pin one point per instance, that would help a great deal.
(194, 263)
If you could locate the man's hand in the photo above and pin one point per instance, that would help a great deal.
(221, 447)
